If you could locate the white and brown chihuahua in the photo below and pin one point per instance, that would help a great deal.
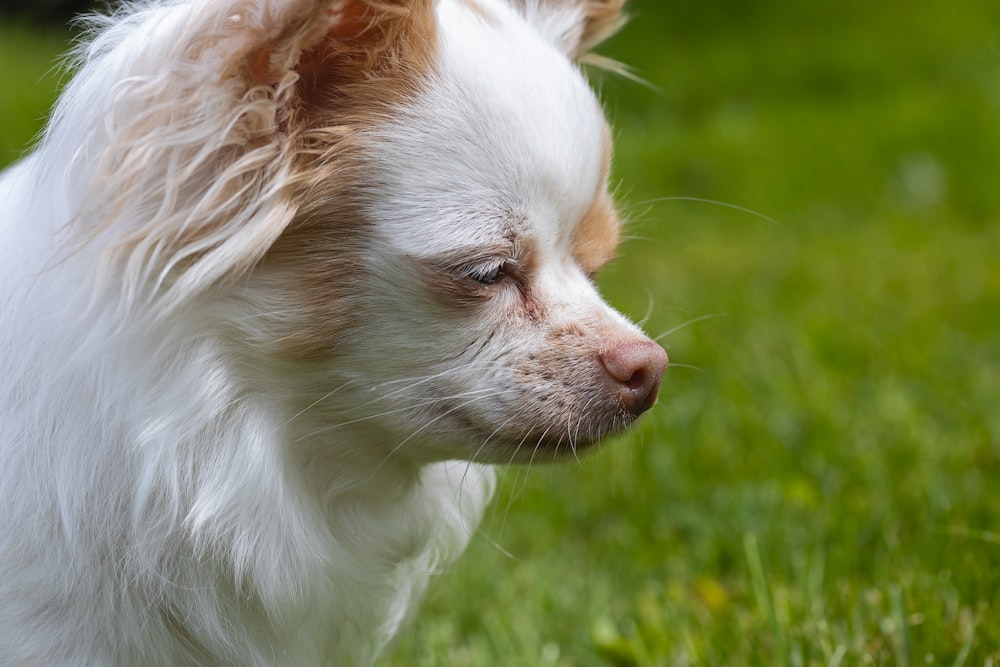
(279, 283)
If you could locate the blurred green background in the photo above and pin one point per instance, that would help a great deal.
(814, 212)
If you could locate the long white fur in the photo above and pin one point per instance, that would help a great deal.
(157, 505)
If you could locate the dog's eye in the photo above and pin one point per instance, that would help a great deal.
(487, 275)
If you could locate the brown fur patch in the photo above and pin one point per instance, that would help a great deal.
(446, 281)
(603, 19)
(347, 81)
(597, 234)
(596, 237)
(445, 278)
(384, 42)
(274, 100)
(531, 305)
(315, 267)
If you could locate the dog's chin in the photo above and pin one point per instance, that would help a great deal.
(530, 444)
(543, 448)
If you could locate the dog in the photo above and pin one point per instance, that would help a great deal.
(280, 283)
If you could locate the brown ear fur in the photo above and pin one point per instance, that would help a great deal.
(371, 37)
(603, 19)
(348, 38)
(259, 80)
(377, 54)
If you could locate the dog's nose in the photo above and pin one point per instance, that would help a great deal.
(636, 368)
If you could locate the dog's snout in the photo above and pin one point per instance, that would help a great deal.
(636, 368)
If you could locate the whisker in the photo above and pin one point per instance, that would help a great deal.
(688, 366)
(433, 421)
(488, 438)
(312, 405)
(496, 545)
(421, 379)
(572, 437)
(714, 202)
(683, 325)
(479, 450)
(483, 445)
(518, 449)
(650, 299)
(513, 494)
(586, 409)
(456, 499)
(538, 444)
(519, 490)
(478, 393)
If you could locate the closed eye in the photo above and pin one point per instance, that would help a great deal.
(486, 275)
(473, 276)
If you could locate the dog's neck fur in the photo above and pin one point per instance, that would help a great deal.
(220, 513)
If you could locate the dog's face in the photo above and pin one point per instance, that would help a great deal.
(476, 329)
(431, 205)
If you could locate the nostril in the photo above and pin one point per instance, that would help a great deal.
(636, 368)
(638, 380)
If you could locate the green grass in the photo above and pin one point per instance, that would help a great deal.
(823, 487)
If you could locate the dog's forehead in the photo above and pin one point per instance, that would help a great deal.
(506, 138)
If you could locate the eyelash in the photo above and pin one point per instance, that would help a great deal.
(487, 277)
(489, 274)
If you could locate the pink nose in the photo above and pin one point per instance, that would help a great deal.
(636, 368)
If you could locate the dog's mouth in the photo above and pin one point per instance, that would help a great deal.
(558, 417)
(541, 443)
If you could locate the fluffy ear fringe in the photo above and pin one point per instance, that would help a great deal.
(602, 19)
(188, 174)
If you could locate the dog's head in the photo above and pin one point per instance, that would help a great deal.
(401, 206)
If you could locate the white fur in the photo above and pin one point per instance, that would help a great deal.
(175, 491)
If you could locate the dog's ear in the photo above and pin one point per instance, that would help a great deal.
(335, 42)
(576, 26)
(195, 110)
